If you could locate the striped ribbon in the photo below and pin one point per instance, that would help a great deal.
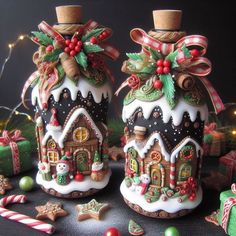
(11, 140)
(198, 66)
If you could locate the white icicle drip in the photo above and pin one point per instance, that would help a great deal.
(176, 114)
(83, 86)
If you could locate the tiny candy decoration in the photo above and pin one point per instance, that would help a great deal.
(164, 113)
(15, 153)
(71, 92)
(26, 220)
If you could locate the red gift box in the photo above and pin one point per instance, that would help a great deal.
(228, 166)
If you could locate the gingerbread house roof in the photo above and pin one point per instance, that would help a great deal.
(178, 147)
(143, 147)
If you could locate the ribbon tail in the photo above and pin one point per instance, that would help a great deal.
(109, 73)
(124, 84)
(109, 51)
(27, 84)
(214, 96)
(200, 66)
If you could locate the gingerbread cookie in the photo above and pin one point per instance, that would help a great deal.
(51, 211)
(135, 229)
(92, 209)
(4, 184)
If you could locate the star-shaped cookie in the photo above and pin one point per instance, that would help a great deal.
(4, 184)
(92, 209)
(51, 210)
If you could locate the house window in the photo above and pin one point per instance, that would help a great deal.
(53, 156)
(132, 153)
(51, 144)
(185, 172)
(81, 134)
(133, 165)
(186, 153)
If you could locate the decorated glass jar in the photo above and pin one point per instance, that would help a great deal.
(164, 113)
(71, 92)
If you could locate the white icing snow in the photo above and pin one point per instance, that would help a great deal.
(59, 136)
(39, 121)
(82, 186)
(142, 148)
(171, 205)
(83, 86)
(176, 114)
(175, 152)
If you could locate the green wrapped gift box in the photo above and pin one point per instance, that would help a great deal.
(21, 160)
(227, 214)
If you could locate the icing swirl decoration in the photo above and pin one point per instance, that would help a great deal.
(170, 67)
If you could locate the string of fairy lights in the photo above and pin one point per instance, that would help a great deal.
(15, 110)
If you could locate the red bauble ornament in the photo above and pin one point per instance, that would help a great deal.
(93, 40)
(166, 63)
(194, 53)
(158, 84)
(160, 62)
(67, 49)
(166, 70)
(79, 177)
(73, 53)
(112, 232)
(74, 40)
(49, 48)
(159, 70)
(67, 42)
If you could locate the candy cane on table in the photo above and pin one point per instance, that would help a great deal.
(15, 216)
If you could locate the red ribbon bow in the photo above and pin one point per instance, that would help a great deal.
(11, 139)
(7, 137)
(208, 129)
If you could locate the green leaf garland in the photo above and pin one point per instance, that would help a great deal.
(168, 89)
(92, 33)
(53, 56)
(135, 56)
(43, 38)
(92, 48)
(81, 59)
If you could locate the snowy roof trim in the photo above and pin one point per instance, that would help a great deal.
(176, 150)
(83, 86)
(176, 114)
(142, 148)
(69, 124)
(51, 133)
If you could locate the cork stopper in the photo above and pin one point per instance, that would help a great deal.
(167, 19)
(70, 14)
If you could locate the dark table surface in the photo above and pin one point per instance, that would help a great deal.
(117, 216)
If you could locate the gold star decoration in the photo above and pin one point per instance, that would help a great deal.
(50, 211)
(92, 209)
(4, 184)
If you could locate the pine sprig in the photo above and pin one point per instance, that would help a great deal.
(43, 38)
(81, 59)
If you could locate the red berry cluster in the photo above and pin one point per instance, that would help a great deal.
(101, 37)
(96, 61)
(73, 46)
(190, 188)
(163, 66)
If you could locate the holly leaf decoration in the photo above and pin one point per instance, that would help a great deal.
(172, 56)
(61, 72)
(43, 38)
(186, 51)
(92, 48)
(135, 56)
(168, 89)
(150, 69)
(155, 54)
(81, 59)
(53, 56)
(92, 33)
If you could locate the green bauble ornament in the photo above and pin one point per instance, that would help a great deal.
(171, 231)
(26, 183)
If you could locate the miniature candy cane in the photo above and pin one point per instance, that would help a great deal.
(12, 215)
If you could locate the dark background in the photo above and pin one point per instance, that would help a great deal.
(210, 18)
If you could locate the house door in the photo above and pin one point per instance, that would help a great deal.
(82, 161)
(156, 176)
